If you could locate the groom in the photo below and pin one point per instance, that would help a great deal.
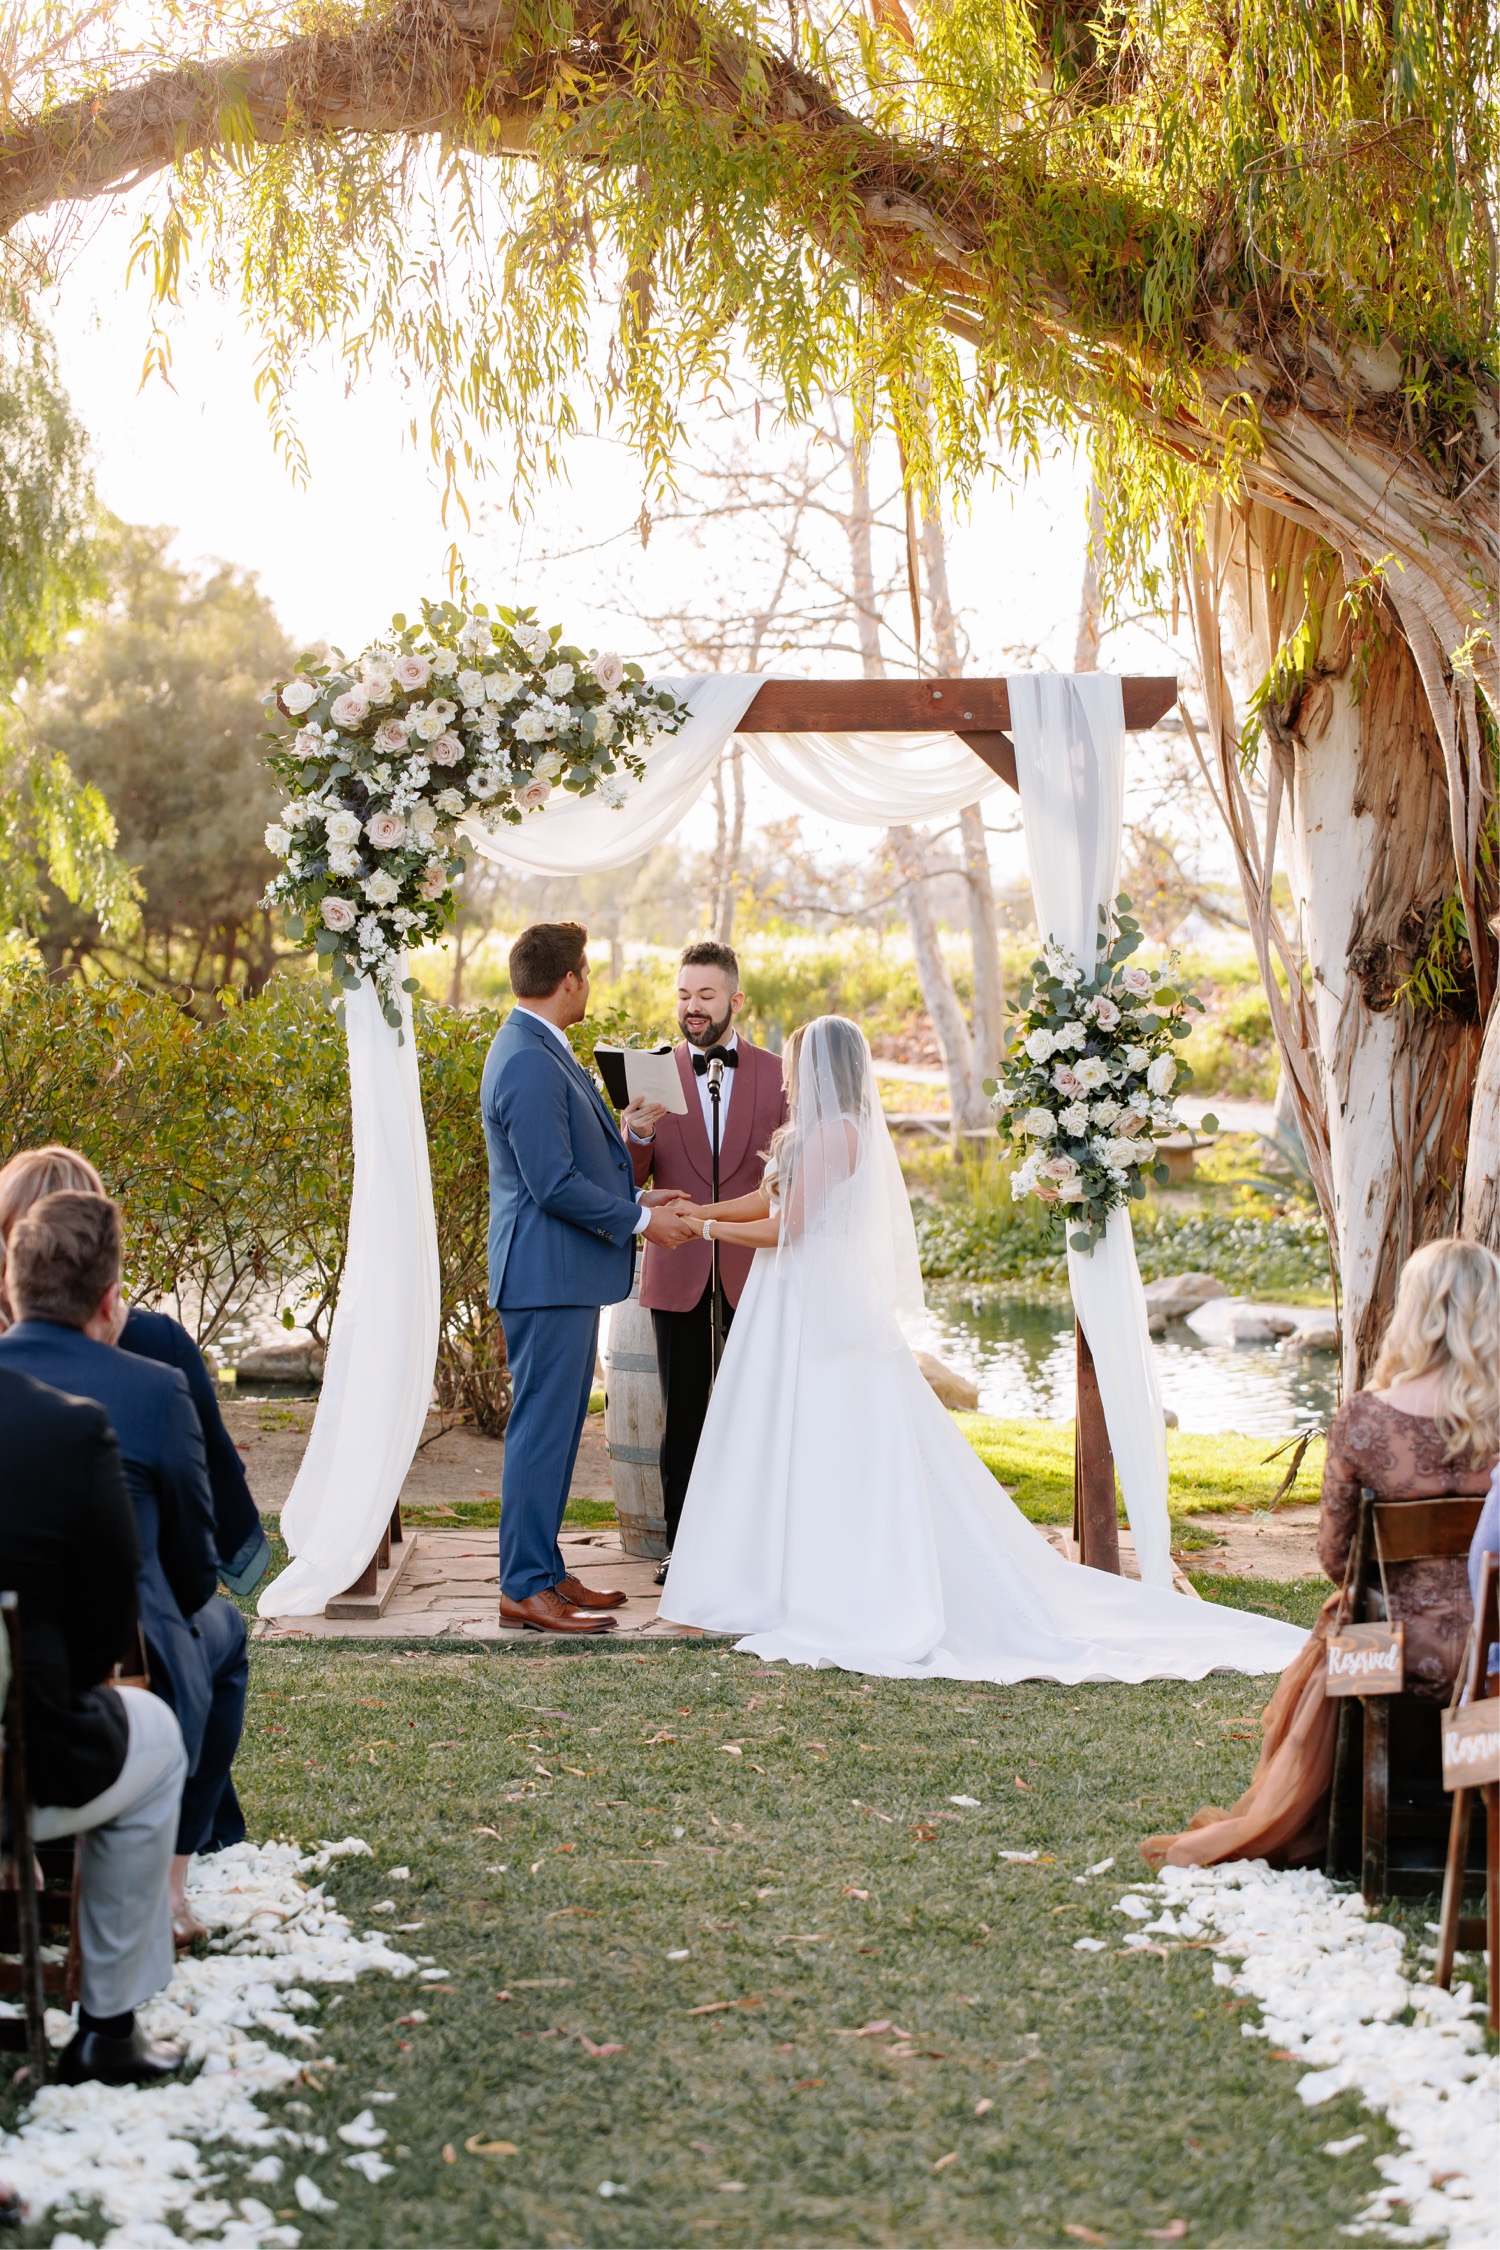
(563, 1221)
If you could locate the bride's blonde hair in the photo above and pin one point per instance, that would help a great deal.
(1447, 1323)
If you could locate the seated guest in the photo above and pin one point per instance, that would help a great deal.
(244, 1551)
(62, 1277)
(1486, 1541)
(106, 1763)
(1427, 1424)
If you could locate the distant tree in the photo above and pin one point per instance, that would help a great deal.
(157, 703)
(52, 831)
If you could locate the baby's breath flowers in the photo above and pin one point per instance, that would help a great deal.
(460, 717)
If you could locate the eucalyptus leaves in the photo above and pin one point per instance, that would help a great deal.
(458, 718)
(1092, 1075)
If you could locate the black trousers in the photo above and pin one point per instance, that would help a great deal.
(684, 1361)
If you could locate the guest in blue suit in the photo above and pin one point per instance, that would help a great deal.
(564, 1217)
(62, 1277)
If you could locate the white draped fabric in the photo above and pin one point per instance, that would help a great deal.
(377, 1382)
(383, 1345)
(868, 778)
(1070, 762)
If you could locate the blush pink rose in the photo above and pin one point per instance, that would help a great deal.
(338, 914)
(350, 709)
(1136, 980)
(1106, 1014)
(391, 735)
(412, 672)
(448, 750)
(609, 670)
(533, 796)
(1066, 1081)
(434, 879)
(385, 831)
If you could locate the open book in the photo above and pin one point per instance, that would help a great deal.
(634, 1074)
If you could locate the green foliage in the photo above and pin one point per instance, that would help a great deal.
(157, 706)
(1209, 1475)
(228, 1144)
(1233, 1050)
(49, 563)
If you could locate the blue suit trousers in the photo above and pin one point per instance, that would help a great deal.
(552, 1350)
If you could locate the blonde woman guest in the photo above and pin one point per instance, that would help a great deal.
(1427, 1424)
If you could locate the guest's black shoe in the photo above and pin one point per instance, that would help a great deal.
(661, 1571)
(116, 2062)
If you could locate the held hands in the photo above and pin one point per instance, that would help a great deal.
(669, 1224)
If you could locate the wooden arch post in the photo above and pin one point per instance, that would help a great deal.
(978, 711)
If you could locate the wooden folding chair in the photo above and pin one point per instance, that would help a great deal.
(1402, 1835)
(33, 1915)
(1456, 1930)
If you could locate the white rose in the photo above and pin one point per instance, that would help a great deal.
(499, 687)
(1105, 1112)
(1074, 1120)
(412, 672)
(1123, 1152)
(1136, 1058)
(450, 801)
(337, 914)
(444, 663)
(533, 796)
(425, 721)
(531, 726)
(277, 840)
(1072, 1035)
(299, 695)
(377, 677)
(381, 889)
(447, 749)
(1162, 1075)
(344, 861)
(559, 681)
(1039, 1124)
(536, 643)
(1039, 1045)
(342, 827)
(351, 709)
(609, 670)
(1071, 1191)
(470, 685)
(603, 724)
(1091, 1071)
(386, 833)
(422, 820)
(548, 767)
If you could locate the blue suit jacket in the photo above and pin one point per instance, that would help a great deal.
(161, 1446)
(244, 1551)
(563, 1209)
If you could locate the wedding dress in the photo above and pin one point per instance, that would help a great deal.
(836, 1515)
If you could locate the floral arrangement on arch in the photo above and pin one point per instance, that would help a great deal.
(460, 717)
(1092, 1076)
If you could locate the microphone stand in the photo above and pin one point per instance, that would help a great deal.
(715, 1303)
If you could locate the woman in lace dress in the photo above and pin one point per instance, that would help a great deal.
(1428, 1424)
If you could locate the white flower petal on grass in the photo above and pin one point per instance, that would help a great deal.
(399, 1875)
(1101, 1867)
(362, 2131)
(681, 1953)
(1136, 1908)
(374, 2168)
(1022, 1857)
(267, 2172)
(971, 1804)
(612, 2187)
(310, 2196)
(1347, 2146)
(1089, 1945)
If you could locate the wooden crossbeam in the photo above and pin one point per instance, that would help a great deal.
(978, 710)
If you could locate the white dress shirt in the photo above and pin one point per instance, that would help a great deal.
(726, 1094)
(566, 1045)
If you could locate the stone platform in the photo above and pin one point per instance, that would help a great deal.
(451, 1586)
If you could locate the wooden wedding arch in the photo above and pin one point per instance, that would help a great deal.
(978, 712)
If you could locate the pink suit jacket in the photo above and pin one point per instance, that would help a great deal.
(680, 1158)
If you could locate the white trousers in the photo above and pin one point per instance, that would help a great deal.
(128, 1831)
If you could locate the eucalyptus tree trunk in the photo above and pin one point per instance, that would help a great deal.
(909, 851)
(1359, 799)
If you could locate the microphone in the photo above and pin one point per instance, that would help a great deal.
(716, 1072)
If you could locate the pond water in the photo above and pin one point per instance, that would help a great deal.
(1020, 1354)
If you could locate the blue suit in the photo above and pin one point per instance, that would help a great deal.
(563, 1218)
(196, 1644)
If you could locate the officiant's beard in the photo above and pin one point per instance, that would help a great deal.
(706, 1035)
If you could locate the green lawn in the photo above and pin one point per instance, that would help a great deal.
(1034, 1461)
(573, 1818)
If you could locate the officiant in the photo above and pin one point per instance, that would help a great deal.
(675, 1153)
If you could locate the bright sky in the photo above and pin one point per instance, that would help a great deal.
(365, 537)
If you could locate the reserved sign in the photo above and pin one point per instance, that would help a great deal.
(1366, 1660)
(1471, 1745)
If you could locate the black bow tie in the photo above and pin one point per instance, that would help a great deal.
(728, 1056)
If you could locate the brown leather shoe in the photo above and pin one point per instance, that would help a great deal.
(547, 1612)
(579, 1596)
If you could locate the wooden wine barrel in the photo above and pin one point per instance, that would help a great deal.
(633, 1425)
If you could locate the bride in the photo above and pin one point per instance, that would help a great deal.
(835, 1514)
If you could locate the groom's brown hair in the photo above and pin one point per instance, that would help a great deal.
(543, 955)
